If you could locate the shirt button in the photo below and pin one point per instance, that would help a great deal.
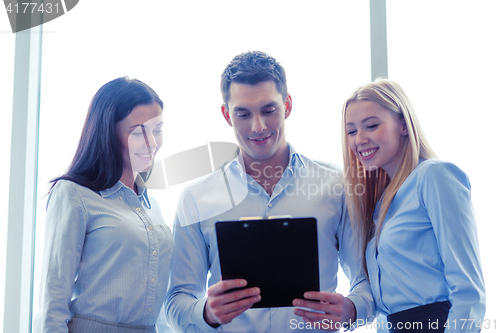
(154, 253)
(150, 227)
(153, 281)
(138, 209)
(149, 309)
(121, 198)
(270, 205)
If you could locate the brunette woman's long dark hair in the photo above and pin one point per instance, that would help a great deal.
(98, 161)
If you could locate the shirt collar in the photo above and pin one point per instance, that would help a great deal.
(141, 190)
(141, 186)
(295, 160)
(112, 190)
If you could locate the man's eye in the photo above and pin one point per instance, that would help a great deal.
(243, 115)
(270, 111)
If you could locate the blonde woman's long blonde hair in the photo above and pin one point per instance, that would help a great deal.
(364, 188)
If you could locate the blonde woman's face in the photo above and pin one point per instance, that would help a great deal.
(375, 136)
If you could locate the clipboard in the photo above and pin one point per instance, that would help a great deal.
(280, 256)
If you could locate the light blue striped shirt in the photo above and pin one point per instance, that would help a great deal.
(428, 249)
(307, 188)
(107, 257)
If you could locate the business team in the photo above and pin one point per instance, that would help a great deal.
(398, 220)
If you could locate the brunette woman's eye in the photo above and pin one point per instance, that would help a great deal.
(372, 126)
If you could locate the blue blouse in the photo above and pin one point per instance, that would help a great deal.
(428, 249)
(107, 256)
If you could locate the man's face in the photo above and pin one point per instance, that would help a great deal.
(257, 114)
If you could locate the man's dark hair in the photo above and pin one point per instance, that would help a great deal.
(98, 162)
(253, 68)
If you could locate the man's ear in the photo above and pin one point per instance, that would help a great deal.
(288, 106)
(225, 113)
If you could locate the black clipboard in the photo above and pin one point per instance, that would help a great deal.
(280, 256)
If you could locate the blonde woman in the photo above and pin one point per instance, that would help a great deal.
(413, 216)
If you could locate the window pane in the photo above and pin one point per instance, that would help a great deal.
(180, 48)
(445, 55)
(7, 42)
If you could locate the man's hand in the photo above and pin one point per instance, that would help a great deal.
(335, 308)
(222, 308)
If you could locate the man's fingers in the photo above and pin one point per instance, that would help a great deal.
(235, 307)
(224, 304)
(234, 296)
(316, 316)
(322, 306)
(227, 318)
(326, 308)
(332, 298)
(225, 285)
(224, 313)
(231, 297)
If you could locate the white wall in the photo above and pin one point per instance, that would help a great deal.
(443, 53)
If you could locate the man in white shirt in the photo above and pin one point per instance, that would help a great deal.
(268, 177)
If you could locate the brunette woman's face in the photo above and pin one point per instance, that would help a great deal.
(375, 135)
(140, 135)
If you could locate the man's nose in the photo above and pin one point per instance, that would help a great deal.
(258, 124)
